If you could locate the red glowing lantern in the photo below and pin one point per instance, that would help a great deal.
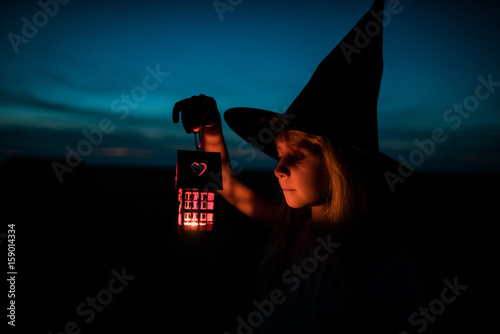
(198, 177)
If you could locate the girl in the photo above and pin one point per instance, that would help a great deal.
(330, 260)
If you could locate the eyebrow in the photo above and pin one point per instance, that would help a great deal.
(294, 148)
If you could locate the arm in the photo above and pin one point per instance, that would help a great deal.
(212, 140)
(235, 192)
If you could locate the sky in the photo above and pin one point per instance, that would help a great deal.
(100, 78)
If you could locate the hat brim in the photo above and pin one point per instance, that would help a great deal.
(255, 126)
(258, 127)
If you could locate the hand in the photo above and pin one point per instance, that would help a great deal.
(197, 112)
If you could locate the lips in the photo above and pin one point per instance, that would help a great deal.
(285, 189)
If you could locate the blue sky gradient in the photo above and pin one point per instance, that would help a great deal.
(260, 54)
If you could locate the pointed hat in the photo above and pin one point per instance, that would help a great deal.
(339, 101)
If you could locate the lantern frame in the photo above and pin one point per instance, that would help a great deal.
(198, 177)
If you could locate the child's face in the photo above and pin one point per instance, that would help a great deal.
(301, 175)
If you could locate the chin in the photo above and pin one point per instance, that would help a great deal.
(294, 204)
(297, 203)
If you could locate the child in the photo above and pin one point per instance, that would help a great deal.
(330, 258)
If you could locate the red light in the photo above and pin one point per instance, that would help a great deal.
(199, 168)
(196, 209)
(197, 177)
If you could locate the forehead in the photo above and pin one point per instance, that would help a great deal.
(282, 141)
(295, 145)
(297, 140)
(284, 146)
(288, 139)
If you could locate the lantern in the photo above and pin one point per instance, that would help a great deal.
(198, 177)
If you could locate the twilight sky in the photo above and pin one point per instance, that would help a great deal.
(109, 72)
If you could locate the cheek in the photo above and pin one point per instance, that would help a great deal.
(313, 187)
(321, 187)
(318, 184)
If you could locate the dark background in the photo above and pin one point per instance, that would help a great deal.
(70, 236)
(107, 216)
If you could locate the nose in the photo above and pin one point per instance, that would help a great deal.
(281, 170)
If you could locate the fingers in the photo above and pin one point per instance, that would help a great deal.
(184, 107)
(197, 111)
(177, 110)
(188, 119)
(211, 114)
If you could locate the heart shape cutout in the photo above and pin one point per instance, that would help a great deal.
(198, 168)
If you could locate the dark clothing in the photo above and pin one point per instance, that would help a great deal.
(364, 286)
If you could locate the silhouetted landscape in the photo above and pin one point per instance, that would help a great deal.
(73, 237)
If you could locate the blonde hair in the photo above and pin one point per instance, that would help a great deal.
(348, 193)
(354, 194)
(351, 195)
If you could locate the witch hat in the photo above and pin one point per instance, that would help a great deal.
(339, 101)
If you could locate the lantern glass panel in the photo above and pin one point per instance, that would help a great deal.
(196, 209)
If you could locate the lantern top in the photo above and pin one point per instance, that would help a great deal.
(200, 170)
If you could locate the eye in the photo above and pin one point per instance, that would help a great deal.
(291, 156)
(297, 156)
(297, 159)
(292, 159)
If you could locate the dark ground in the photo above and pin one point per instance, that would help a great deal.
(71, 235)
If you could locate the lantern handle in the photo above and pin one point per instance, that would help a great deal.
(197, 140)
